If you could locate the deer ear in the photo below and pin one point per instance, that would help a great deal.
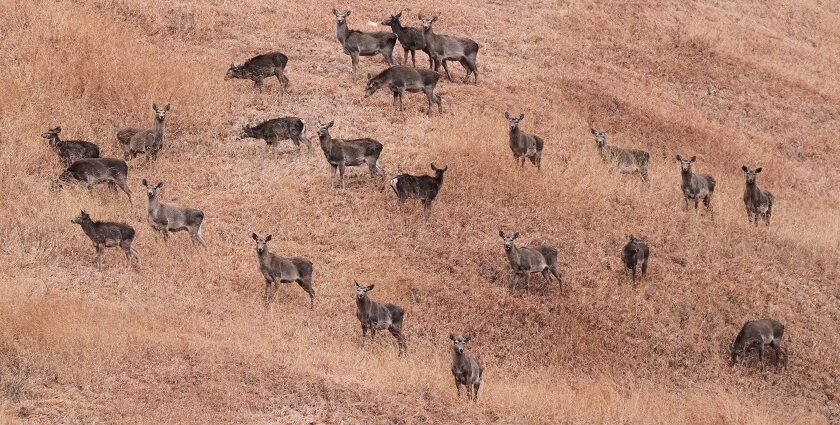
(335, 12)
(166, 108)
(679, 158)
(145, 183)
(370, 288)
(356, 282)
(159, 185)
(268, 238)
(507, 115)
(154, 106)
(521, 117)
(501, 234)
(467, 338)
(370, 77)
(631, 236)
(758, 170)
(693, 158)
(592, 130)
(254, 236)
(744, 167)
(399, 14)
(434, 18)
(58, 129)
(330, 124)
(515, 235)
(347, 14)
(452, 337)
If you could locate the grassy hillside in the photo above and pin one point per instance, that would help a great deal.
(184, 338)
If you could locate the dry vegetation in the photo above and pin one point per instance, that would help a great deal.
(184, 338)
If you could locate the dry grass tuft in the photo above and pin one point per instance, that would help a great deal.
(184, 338)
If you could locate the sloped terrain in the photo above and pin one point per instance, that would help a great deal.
(184, 338)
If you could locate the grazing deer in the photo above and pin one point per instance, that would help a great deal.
(696, 186)
(758, 201)
(626, 160)
(635, 254)
(133, 141)
(93, 171)
(524, 145)
(259, 67)
(411, 39)
(400, 79)
(104, 234)
(277, 270)
(166, 218)
(341, 153)
(524, 261)
(444, 48)
(755, 335)
(70, 150)
(466, 370)
(357, 43)
(373, 316)
(279, 129)
(424, 188)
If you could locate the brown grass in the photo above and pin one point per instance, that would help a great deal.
(184, 339)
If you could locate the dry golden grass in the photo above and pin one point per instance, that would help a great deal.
(184, 338)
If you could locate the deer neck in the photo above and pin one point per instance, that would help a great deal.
(686, 175)
(459, 358)
(514, 134)
(88, 228)
(159, 126)
(326, 142)
(154, 203)
(341, 31)
(439, 178)
(363, 304)
(398, 28)
(54, 141)
(513, 255)
(263, 256)
(427, 34)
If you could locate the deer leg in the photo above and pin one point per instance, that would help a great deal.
(475, 390)
(467, 69)
(513, 278)
(397, 333)
(341, 168)
(405, 56)
(547, 276)
(469, 392)
(413, 59)
(446, 68)
(644, 268)
(99, 249)
(394, 101)
(354, 61)
(458, 387)
(364, 334)
(400, 95)
(471, 63)
(267, 292)
(333, 168)
(197, 237)
(634, 274)
(558, 276)
(306, 285)
(259, 85)
(528, 282)
(427, 208)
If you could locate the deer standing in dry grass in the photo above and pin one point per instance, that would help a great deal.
(134, 141)
(411, 39)
(401, 79)
(466, 370)
(277, 129)
(357, 43)
(635, 254)
(105, 234)
(167, 218)
(626, 160)
(524, 145)
(424, 188)
(277, 270)
(536, 259)
(353, 152)
(373, 316)
(70, 150)
(92, 171)
(695, 186)
(755, 335)
(444, 48)
(259, 67)
(759, 202)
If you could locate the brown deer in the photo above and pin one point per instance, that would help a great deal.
(341, 153)
(373, 316)
(466, 370)
(92, 171)
(424, 188)
(624, 159)
(410, 38)
(755, 335)
(696, 186)
(524, 261)
(444, 48)
(401, 79)
(635, 254)
(524, 145)
(277, 270)
(259, 67)
(759, 202)
(167, 218)
(70, 150)
(357, 43)
(134, 141)
(105, 234)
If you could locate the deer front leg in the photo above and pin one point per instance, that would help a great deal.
(341, 168)
(364, 335)
(458, 388)
(99, 250)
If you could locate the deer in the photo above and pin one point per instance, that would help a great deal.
(92, 171)
(259, 67)
(166, 218)
(524, 145)
(527, 260)
(466, 370)
(105, 234)
(283, 128)
(401, 79)
(635, 254)
(70, 150)
(357, 43)
(341, 153)
(277, 270)
(425, 188)
(626, 160)
(442, 48)
(755, 335)
(759, 202)
(133, 141)
(374, 316)
(696, 186)
(411, 39)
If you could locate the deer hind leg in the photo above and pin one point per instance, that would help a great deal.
(306, 284)
(354, 61)
(195, 233)
(469, 391)
(400, 95)
(258, 84)
(427, 208)
(99, 250)
(396, 331)
(467, 69)
(284, 82)
(446, 68)
(475, 390)
(364, 335)
(458, 387)
(413, 59)
(341, 168)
